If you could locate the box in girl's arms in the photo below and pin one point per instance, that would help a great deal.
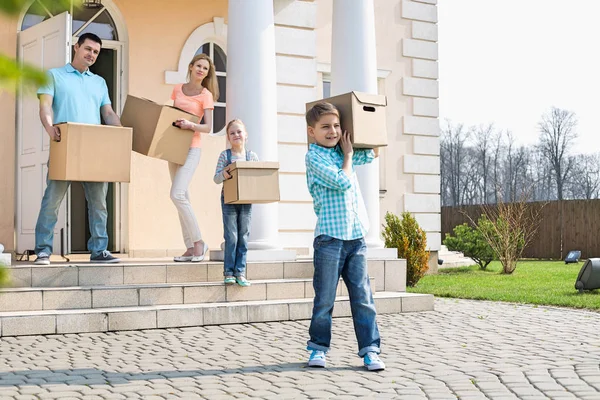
(362, 115)
(91, 153)
(252, 182)
(153, 132)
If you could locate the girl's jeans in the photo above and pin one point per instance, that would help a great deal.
(236, 229)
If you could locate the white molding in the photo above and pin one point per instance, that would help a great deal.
(215, 32)
(325, 68)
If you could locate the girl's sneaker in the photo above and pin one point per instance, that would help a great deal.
(229, 280)
(317, 359)
(242, 281)
(373, 362)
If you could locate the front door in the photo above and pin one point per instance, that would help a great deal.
(45, 45)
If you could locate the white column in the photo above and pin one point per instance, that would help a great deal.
(252, 97)
(354, 68)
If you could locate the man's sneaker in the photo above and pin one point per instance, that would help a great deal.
(317, 359)
(42, 259)
(373, 362)
(105, 257)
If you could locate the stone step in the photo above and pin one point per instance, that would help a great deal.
(68, 298)
(390, 275)
(182, 315)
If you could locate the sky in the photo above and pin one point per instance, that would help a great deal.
(508, 61)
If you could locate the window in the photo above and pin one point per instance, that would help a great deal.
(216, 53)
(90, 18)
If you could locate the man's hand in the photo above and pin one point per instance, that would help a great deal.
(346, 144)
(54, 133)
(185, 124)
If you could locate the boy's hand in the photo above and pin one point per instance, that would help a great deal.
(346, 144)
(54, 133)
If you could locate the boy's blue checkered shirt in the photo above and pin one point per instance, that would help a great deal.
(336, 197)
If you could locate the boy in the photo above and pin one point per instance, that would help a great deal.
(339, 246)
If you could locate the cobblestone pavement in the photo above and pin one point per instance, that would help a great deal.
(464, 349)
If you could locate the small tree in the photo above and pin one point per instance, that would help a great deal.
(471, 242)
(407, 236)
(512, 227)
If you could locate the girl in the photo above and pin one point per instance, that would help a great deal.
(197, 97)
(236, 217)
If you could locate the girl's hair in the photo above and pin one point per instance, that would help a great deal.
(234, 121)
(210, 81)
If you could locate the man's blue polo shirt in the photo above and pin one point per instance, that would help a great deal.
(77, 97)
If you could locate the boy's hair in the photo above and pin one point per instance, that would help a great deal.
(318, 110)
(234, 121)
(89, 36)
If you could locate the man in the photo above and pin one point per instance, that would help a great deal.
(74, 94)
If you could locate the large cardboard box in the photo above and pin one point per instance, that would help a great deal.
(153, 132)
(91, 153)
(252, 182)
(363, 116)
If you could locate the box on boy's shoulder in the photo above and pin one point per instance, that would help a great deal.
(362, 115)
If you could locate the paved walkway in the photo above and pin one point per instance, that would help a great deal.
(465, 349)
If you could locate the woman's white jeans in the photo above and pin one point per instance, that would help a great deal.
(181, 176)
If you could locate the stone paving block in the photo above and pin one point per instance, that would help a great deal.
(54, 276)
(20, 301)
(130, 320)
(67, 299)
(101, 276)
(105, 298)
(231, 313)
(268, 312)
(395, 276)
(261, 271)
(285, 290)
(258, 291)
(28, 325)
(144, 274)
(161, 295)
(204, 294)
(183, 273)
(181, 317)
(298, 270)
(79, 323)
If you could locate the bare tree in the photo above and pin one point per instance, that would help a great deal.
(453, 156)
(584, 182)
(557, 135)
(484, 136)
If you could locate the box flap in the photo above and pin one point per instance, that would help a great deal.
(255, 164)
(368, 98)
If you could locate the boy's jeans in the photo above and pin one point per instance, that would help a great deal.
(95, 194)
(332, 258)
(236, 229)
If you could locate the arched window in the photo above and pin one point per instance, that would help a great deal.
(216, 53)
(91, 16)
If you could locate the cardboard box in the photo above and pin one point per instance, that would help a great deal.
(363, 116)
(153, 132)
(252, 182)
(91, 153)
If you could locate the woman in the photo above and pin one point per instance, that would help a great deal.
(197, 97)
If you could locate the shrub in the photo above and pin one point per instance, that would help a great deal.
(407, 236)
(471, 242)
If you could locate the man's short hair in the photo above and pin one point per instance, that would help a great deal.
(90, 36)
(318, 110)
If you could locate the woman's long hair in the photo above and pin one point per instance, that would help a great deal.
(210, 81)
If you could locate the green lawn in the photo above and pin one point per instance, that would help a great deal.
(533, 282)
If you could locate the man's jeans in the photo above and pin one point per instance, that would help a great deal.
(95, 194)
(332, 258)
(236, 229)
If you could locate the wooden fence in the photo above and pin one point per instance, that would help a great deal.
(564, 226)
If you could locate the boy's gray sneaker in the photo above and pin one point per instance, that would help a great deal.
(105, 257)
(317, 359)
(42, 259)
(373, 362)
